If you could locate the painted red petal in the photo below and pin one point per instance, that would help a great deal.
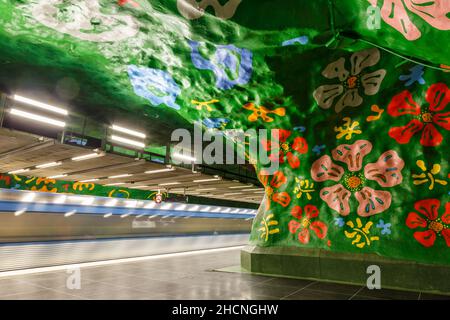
(319, 228)
(414, 221)
(428, 207)
(282, 198)
(293, 160)
(403, 134)
(294, 226)
(403, 103)
(446, 234)
(297, 212)
(278, 179)
(426, 238)
(438, 96)
(442, 120)
(446, 216)
(311, 211)
(303, 236)
(277, 157)
(300, 145)
(283, 135)
(430, 136)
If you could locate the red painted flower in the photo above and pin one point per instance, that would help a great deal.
(425, 118)
(286, 148)
(435, 227)
(306, 223)
(277, 180)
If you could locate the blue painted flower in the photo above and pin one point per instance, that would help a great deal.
(157, 86)
(318, 149)
(386, 227)
(415, 75)
(300, 129)
(215, 123)
(302, 40)
(338, 221)
(231, 65)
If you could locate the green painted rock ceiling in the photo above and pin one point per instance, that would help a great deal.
(357, 89)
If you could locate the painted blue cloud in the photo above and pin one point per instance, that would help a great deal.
(215, 123)
(226, 58)
(302, 40)
(157, 86)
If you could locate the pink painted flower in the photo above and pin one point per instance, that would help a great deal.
(395, 13)
(386, 172)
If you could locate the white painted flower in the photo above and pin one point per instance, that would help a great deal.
(351, 83)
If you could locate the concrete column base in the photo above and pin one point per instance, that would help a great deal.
(322, 265)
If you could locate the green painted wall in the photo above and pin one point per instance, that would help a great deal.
(364, 108)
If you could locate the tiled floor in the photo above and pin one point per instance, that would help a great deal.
(186, 277)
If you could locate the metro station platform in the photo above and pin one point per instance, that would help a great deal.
(185, 276)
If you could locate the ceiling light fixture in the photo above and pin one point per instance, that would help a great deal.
(20, 212)
(89, 180)
(49, 165)
(232, 194)
(18, 171)
(169, 183)
(128, 131)
(206, 189)
(120, 176)
(207, 180)
(107, 215)
(57, 176)
(241, 187)
(36, 117)
(115, 184)
(70, 213)
(88, 156)
(159, 170)
(41, 105)
(128, 141)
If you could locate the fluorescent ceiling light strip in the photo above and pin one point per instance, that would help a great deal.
(115, 261)
(38, 118)
(169, 183)
(256, 189)
(183, 157)
(125, 215)
(49, 165)
(89, 180)
(57, 176)
(120, 176)
(128, 141)
(232, 194)
(206, 189)
(207, 180)
(41, 105)
(240, 187)
(18, 171)
(115, 184)
(159, 170)
(128, 131)
(88, 156)
(107, 215)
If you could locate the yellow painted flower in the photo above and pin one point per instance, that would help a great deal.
(199, 105)
(348, 129)
(262, 112)
(360, 234)
(428, 175)
(266, 227)
(304, 187)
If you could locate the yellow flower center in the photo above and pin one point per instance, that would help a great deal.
(351, 82)
(436, 226)
(305, 223)
(285, 147)
(269, 191)
(354, 182)
(427, 117)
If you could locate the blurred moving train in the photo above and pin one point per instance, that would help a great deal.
(44, 229)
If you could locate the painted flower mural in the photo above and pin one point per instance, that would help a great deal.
(307, 222)
(286, 147)
(433, 226)
(426, 118)
(351, 83)
(395, 13)
(387, 172)
(271, 185)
